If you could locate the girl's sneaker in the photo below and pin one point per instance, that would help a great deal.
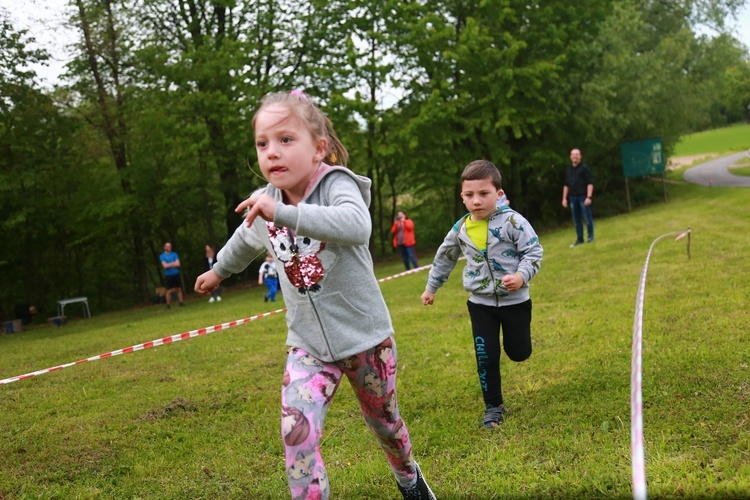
(420, 491)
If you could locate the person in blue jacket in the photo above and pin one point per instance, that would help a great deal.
(170, 261)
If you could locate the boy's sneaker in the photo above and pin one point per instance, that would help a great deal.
(420, 491)
(493, 416)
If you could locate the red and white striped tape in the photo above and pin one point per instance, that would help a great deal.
(405, 273)
(175, 338)
(146, 345)
(636, 378)
(636, 396)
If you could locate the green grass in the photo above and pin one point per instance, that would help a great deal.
(741, 167)
(200, 418)
(721, 140)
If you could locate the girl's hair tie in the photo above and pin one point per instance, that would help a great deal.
(298, 93)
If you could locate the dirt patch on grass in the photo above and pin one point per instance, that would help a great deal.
(176, 407)
(678, 162)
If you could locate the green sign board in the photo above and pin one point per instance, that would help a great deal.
(641, 158)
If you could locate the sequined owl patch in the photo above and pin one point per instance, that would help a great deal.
(299, 254)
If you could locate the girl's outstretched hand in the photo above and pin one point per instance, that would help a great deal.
(428, 298)
(207, 282)
(258, 205)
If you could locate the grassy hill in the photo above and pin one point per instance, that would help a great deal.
(200, 418)
(721, 140)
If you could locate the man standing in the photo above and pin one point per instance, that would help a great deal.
(170, 261)
(579, 186)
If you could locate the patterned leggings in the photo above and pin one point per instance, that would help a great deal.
(308, 388)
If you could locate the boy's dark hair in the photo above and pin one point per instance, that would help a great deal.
(482, 169)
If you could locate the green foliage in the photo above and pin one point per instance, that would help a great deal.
(15, 57)
(148, 138)
(493, 80)
(200, 418)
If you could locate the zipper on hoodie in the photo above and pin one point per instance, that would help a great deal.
(486, 256)
(294, 250)
(322, 330)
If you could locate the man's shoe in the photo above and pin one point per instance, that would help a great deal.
(576, 244)
(169, 307)
(265, 298)
(420, 491)
(182, 304)
(591, 239)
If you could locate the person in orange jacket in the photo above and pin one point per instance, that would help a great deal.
(404, 240)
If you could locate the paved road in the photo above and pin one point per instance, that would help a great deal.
(716, 173)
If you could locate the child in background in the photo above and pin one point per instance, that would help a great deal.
(267, 275)
(502, 254)
(313, 217)
(503, 201)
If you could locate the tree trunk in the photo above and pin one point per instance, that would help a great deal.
(113, 125)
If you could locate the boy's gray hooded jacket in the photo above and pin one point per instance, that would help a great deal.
(335, 308)
(512, 247)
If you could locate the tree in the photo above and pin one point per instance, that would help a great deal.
(39, 183)
(101, 69)
(219, 58)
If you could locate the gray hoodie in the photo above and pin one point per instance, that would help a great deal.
(335, 306)
(512, 247)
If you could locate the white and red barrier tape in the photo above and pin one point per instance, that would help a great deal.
(405, 273)
(175, 338)
(146, 345)
(636, 396)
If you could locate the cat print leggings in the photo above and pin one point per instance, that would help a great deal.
(307, 390)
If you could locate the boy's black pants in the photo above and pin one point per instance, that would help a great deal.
(486, 323)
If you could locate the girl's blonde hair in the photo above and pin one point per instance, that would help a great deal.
(317, 123)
